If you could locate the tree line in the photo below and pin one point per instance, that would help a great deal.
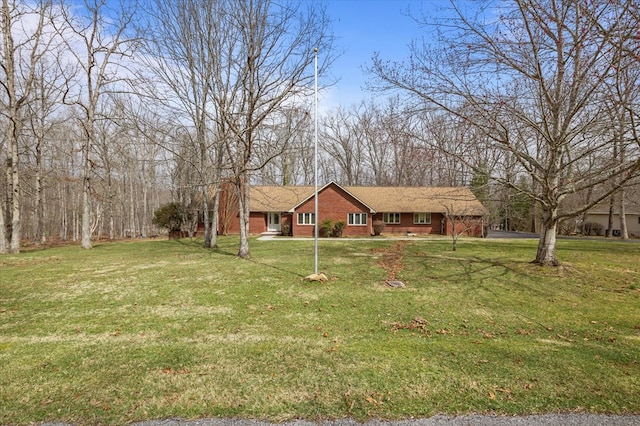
(111, 110)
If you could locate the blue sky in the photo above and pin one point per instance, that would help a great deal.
(363, 27)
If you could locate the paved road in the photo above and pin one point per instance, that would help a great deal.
(477, 420)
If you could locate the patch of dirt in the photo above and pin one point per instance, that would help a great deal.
(392, 259)
(417, 324)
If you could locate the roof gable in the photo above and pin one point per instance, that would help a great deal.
(372, 210)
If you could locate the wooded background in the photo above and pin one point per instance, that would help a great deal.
(110, 110)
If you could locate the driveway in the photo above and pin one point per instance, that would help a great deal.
(510, 234)
(517, 234)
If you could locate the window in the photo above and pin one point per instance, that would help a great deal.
(422, 218)
(357, 219)
(391, 217)
(306, 219)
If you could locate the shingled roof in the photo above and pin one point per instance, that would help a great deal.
(278, 198)
(451, 200)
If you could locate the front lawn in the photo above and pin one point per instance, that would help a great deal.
(156, 329)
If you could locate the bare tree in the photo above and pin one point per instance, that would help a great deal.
(622, 99)
(461, 222)
(107, 160)
(146, 129)
(291, 129)
(99, 40)
(343, 145)
(25, 42)
(184, 36)
(265, 64)
(530, 75)
(454, 157)
(42, 123)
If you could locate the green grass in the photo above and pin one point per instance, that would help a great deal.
(147, 330)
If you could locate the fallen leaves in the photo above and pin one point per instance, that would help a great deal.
(417, 324)
(365, 402)
(172, 371)
(565, 338)
(424, 327)
(98, 404)
(334, 348)
(498, 392)
(486, 334)
(371, 399)
(391, 260)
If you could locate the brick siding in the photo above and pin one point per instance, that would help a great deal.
(334, 204)
(406, 225)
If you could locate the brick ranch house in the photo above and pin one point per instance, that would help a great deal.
(403, 210)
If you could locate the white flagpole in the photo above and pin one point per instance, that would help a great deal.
(315, 162)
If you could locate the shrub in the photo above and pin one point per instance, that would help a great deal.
(592, 228)
(326, 228)
(338, 228)
(567, 226)
(171, 216)
(378, 226)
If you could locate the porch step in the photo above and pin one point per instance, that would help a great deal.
(271, 233)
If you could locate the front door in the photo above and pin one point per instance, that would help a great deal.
(273, 222)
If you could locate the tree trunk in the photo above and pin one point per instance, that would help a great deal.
(3, 234)
(12, 129)
(75, 222)
(145, 206)
(624, 233)
(205, 216)
(110, 203)
(609, 231)
(214, 218)
(38, 235)
(16, 231)
(43, 215)
(86, 214)
(243, 203)
(584, 215)
(64, 220)
(86, 181)
(546, 255)
(132, 207)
